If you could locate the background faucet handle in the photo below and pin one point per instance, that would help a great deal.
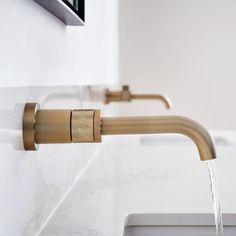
(125, 88)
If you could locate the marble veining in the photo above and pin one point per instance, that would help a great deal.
(33, 183)
(140, 179)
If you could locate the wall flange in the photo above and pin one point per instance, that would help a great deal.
(28, 126)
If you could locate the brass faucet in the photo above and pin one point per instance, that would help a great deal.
(126, 96)
(42, 126)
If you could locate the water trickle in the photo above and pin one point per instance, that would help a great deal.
(215, 197)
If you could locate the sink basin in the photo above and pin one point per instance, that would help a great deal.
(176, 225)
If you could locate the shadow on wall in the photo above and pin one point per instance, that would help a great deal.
(11, 126)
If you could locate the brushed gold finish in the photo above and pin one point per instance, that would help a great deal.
(166, 100)
(52, 126)
(162, 124)
(97, 126)
(28, 126)
(43, 126)
(82, 126)
(66, 126)
(85, 126)
(126, 96)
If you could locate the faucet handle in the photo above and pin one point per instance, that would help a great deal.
(125, 88)
(118, 96)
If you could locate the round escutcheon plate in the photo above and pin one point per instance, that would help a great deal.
(28, 126)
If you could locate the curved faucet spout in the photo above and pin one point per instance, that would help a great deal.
(166, 100)
(162, 124)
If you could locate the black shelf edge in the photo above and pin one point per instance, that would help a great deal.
(64, 11)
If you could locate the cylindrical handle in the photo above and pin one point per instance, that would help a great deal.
(53, 126)
(85, 126)
(42, 126)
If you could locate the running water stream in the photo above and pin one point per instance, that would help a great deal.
(215, 197)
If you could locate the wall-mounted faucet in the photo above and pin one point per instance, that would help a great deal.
(43, 126)
(126, 96)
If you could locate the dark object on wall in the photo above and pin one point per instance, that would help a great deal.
(71, 12)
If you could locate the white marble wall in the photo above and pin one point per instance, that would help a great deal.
(32, 184)
(132, 177)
